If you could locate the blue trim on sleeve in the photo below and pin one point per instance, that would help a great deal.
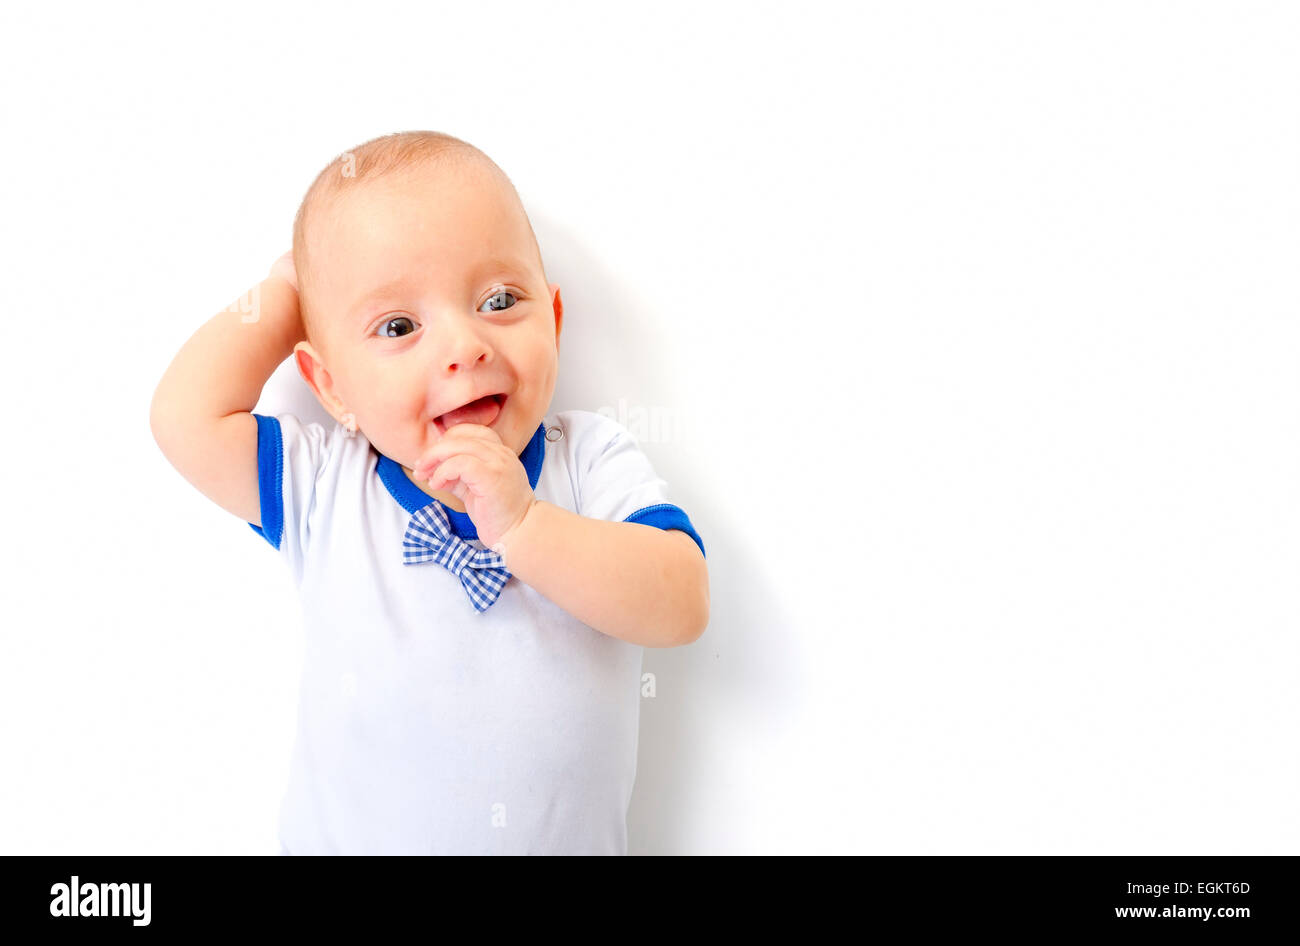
(667, 516)
(270, 479)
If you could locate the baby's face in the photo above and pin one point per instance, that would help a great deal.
(430, 295)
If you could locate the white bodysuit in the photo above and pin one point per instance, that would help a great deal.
(424, 726)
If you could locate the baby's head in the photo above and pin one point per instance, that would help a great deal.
(421, 287)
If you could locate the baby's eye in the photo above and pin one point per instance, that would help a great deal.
(498, 295)
(391, 327)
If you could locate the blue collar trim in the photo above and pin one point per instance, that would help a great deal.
(412, 498)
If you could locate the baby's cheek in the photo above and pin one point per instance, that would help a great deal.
(542, 359)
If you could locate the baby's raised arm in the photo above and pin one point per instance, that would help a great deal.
(201, 412)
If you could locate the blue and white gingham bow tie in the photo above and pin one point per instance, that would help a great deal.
(429, 539)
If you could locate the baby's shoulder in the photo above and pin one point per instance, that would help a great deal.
(306, 446)
(583, 428)
(586, 438)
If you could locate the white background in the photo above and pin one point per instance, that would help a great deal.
(977, 325)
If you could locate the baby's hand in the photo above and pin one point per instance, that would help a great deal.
(484, 474)
(284, 268)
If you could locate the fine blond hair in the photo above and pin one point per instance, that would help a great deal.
(368, 162)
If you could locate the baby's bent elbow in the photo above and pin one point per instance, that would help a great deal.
(697, 607)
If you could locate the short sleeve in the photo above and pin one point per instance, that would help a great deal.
(290, 457)
(617, 482)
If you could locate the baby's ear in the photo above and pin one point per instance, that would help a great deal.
(558, 305)
(313, 371)
(303, 356)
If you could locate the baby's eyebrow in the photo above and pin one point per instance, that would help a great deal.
(379, 292)
(490, 266)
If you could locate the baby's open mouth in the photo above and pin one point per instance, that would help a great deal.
(484, 411)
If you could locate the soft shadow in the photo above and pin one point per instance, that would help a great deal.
(744, 673)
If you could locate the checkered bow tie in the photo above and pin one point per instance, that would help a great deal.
(429, 539)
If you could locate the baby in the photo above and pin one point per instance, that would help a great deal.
(478, 575)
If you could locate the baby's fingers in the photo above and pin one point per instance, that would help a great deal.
(449, 472)
(445, 449)
(284, 268)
